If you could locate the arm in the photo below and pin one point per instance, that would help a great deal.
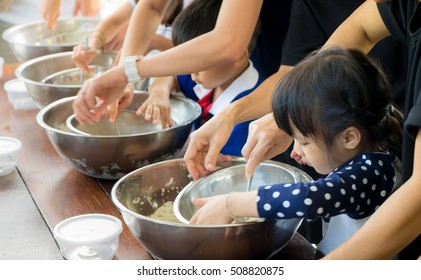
(106, 30)
(362, 30)
(87, 8)
(225, 42)
(206, 142)
(231, 34)
(50, 10)
(393, 226)
(147, 16)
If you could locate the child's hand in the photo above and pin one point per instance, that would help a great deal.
(212, 211)
(157, 108)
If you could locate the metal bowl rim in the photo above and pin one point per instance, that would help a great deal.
(10, 30)
(24, 65)
(43, 124)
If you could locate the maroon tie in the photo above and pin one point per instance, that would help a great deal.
(206, 103)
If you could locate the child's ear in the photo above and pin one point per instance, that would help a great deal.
(351, 137)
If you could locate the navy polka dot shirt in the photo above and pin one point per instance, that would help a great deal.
(357, 188)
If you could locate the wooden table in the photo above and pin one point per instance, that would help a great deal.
(44, 190)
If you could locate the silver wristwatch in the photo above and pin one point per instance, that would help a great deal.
(130, 68)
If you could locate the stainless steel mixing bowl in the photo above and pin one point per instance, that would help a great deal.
(111, 157)
(37, 72)
(138, 194)
(232, 179)
(32, 40)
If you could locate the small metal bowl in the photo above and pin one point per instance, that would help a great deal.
(127, 123)
(141, 192)
(33, 40)
(232, 179)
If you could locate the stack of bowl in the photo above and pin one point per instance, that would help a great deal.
(52, 77)
(141, 193)
(33, 40)
(94, 151)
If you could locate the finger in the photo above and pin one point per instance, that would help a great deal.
(190, 159)
(156, 115)
(199, 202)
(141, 110)
(113, 110)
(81, 110)
(249, 146)
(148, 112)
(257, 155)
(212, 156)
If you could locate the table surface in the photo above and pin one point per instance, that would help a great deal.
(43, 190)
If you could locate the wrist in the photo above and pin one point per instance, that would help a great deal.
(130, 68)
(98, 38)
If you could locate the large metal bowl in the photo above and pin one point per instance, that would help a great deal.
(32, 40)
(140, 193)
(111, 157)
(36, 72)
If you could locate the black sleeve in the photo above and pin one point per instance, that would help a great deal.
(312, 22)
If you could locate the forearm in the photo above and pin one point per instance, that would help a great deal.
(163, 86)
(144, 22)
(109, 26)
(226, 42)
(242, 204)
(257, 103)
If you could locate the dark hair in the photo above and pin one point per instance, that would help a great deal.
(173, 10)
(336, 88)
(199, 18)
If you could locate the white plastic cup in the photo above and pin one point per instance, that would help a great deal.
(88, 237)
(8, 147)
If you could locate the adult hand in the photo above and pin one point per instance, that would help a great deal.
(265, 140)
(98, 93)
(157, 107)
(205, 144)
(50, 10)
(88, 8)
(212, 211)
(82, 57)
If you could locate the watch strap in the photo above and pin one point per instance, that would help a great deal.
(130, 68)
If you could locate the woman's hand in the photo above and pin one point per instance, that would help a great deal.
(50, 10)
(205, 144)
(265, 140)
(98, 93)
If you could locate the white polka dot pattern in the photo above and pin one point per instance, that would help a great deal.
(354, 189)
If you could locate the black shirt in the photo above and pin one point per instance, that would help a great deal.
(274, 19)
(403, 20)
(313, 21)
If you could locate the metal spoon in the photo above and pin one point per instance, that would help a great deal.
(249, 183)
(81, 70)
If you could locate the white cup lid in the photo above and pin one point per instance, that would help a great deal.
(89, 228)
(9, 145)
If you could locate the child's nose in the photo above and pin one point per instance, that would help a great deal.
(297, 148)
